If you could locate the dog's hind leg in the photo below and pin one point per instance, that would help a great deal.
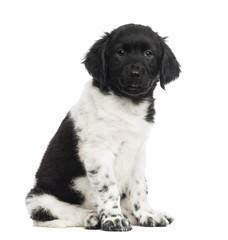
(47, 211)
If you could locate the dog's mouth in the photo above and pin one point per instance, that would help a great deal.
(133, 89)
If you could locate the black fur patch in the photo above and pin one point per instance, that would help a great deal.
(150, 111)
(35, 191)
(40, 214)
(60, 165)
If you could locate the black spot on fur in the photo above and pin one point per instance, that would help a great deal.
(146, 191)
(40, 214)
(95, 171)
(136, 206)
(92, 172)
(104, 189)
(123, 196)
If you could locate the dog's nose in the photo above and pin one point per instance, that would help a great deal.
(134, 74)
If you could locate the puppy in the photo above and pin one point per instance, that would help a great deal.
(93, 171)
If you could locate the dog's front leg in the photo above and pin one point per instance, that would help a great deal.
(138, 198)
(99, 168)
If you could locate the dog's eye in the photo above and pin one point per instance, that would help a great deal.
(148, 53)
(121, 52)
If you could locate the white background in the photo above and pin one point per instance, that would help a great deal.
(42, 44)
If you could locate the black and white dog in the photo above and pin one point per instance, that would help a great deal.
(93, 171)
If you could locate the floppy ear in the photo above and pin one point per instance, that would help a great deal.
(95, 61)
(169, 68)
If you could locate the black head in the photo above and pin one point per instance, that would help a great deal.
(130, 61)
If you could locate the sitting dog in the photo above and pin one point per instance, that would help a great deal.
(93, 171)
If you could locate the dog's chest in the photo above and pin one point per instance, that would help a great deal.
(126, 158)
(115, 125)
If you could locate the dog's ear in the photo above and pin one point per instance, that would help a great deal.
(169, 66)
(95, 61)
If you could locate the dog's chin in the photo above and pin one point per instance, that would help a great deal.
(132, 91)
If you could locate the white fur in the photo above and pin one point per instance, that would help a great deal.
(115, 128)
(82, 184)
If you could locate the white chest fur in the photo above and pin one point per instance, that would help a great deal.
(112, 124)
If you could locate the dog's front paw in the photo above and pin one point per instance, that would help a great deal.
(92, 221)
(155, 219)
(115, 223)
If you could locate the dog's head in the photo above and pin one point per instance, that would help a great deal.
(130, 61)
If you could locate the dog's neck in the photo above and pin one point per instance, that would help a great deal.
(110, 102)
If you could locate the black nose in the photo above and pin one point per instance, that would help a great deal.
(134, 74)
